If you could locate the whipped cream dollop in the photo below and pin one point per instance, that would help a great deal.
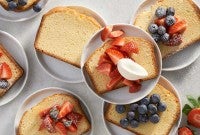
(131, 70)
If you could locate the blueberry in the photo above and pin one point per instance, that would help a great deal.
(134, 107)
(170, 11)
(165, 37)
(170, 20)
(12, 5)
(22, 2)
(153, 28)
(54, 113)
(37, 8)
(66, 122)
(154, 118)
(124, 122)
(9, 0)
(156, 37)
(161, 30)
(120, 108)
(145, 101)
(134, 123)
(152, 109)
(160, 12)
(155, 98)
(130, 115)
(162, 107)
(143, 118)
(4, 84)
(142, 109)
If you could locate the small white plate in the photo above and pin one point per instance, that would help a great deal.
(20, 16)
(16, 50)
(39, 95)
(121, 95)
(116, 130)
(60, 70)
(180, 59)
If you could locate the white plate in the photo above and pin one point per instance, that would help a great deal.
(179, 60)
(66, 72)
(116, 130)
(16, 50)
(121, 95)
(39, 95)
(20, 16)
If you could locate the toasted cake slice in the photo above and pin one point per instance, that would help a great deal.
(185, 9)
(16, 70)
(167, 118)
(31, 121)
(145, 58)
(63, 32)
(29, 5)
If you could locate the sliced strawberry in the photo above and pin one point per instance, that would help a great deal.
(1, 69)
(42, 126)
(115, 73)
(135, 87)
(72, 128)
(1, 54)
(106, 32)
(66, 108)
(114, 55)
(48, 124)
(104, 68)
(104, 59)
(6, 71)
(178, 27)
(194, 117)
(184, 131)
(160, 22)
(113, 82)
(44, 112)
(130, 47)
(118, 42)
(74, 117)
(60, 127)
(115, 34)
(127, 82)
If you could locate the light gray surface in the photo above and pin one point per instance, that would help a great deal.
(113, 11)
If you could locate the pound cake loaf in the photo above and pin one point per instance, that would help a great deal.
(31, 121)
(146, 58)
(10, 71)
(167, 118)
(184, 9)
(63, 32)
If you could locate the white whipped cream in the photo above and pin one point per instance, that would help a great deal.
(131, 70)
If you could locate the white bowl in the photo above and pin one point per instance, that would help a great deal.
(116, 130)
(39, 95)
(66, 72)
(121, 95)
(13, 46)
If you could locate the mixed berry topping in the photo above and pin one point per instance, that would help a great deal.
(5, 75)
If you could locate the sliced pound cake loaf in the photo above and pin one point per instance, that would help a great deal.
(184, 9)
(167, 118)
(63, 32)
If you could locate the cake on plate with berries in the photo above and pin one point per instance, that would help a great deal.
(153, 115)
(58, 114)
(173, 25)
(10, 71)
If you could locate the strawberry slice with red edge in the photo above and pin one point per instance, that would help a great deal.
(72, 128)
(194, 117)
(48, 124)
(113, 82)
(6, 71)
(116, 33)
(44, 112)
(130, 47)
(1, 54)
(127, 82)
(104, 59)
(104, 68)
(74, 117)
(66, 108)
(178, 27)
(114, 55)
(106, 32)
(115, 73)
(184, 131)
(135, 87)
(60, 127)
(160, 22)
(118, 41)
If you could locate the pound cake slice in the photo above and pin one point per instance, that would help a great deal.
(10, 71)
(63, 32)
(167, 118)
(184, 9)
(31, 119)
(146, 58)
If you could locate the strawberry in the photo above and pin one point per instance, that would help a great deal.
(66, 108)
(160, 22)
(184, 131)
(104, 68)
(72, 128)
(48, 124)
(104, 59)
(130, 47)
(178, 27)
(60, 127)
(42, 126)
(106, 32)
(118, 42)
(194, 117)
(1, 54)
(115, 73)
(135, 87)
(127, 82)
(113, 82)
(74, 117)
(6, 71)
(44, 112)
(114, 55)
(115, 34)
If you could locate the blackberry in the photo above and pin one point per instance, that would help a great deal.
(175, 40)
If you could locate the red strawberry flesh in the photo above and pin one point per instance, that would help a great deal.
(130, 47)
(194, 117)
(115, 34)
(113, 82)
(66, 108)
(60, 127)
(184, 131)
(106, 32)
(178, 27)
(104, 68)
(114, 55)
(118, 41)
(6, 71)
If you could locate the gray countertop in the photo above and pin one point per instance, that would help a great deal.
(113, 11)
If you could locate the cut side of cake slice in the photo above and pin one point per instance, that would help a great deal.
(184, 9)
(63, 32)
